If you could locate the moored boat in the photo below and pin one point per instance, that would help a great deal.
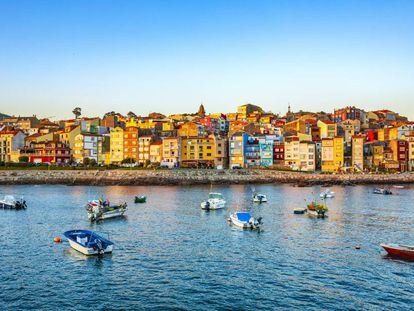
(88, 242)
(140, 199)
(259, 198)
(245, 221)
(317, 210)
(300, 211)
(327, 194)
(9, 202)
(215, 201)
(399, 251)
(383, 191)
(100, 210)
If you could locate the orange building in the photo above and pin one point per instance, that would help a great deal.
(131, 143)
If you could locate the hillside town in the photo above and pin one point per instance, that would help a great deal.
(349, 139)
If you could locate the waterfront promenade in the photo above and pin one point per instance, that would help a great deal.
(192, 177)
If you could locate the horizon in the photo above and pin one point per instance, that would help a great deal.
(169, 57)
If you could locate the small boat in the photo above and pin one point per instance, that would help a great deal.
(100, 210)
(327, 194)
(215, 201)
(317, 210)
(88, 242)
(383, 191)
(259, 198)
(9, 202)
(140, 199)
(399, 251)
(300, 211)
(245, 221)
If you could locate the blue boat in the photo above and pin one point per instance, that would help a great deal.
(88, 242)
(245, 220)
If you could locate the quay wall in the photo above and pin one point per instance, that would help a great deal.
(192, 177)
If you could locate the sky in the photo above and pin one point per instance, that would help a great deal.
(169, 56)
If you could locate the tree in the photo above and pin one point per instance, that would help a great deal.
(23, 159)
(77, 112)
(128, 161)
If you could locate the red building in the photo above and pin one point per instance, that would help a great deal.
(400, 153)
(47, 152)
(278, 153)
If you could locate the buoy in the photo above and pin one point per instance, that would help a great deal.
(358, 247)
(57, 239)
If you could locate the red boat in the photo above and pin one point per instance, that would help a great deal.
(400, 251)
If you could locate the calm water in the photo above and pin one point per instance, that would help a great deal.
(171, 255)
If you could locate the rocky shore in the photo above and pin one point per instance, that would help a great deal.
(192, 177)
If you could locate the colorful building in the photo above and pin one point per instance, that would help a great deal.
(116, 149)
(327, 128)
(131, 143)
(236, 150)
(171, 147)
(358, 152)
(11, 141)
(332, 154)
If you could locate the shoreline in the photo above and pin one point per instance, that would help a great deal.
(192, 177)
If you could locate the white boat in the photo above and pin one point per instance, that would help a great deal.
(88, 242)
(327, 194)
(100, 210)
(317, 214)
(9, 202)
(383, 191)
(259, 198)
(215, 201)
(245, 221)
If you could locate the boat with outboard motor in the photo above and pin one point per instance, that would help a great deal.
(9, 202)
(88, 242)
(259, 198)
(399, 251)
(244, 220)
(215, 201)
(317, 210)
(383, 191)
(100, 210)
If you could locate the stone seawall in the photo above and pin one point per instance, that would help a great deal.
(190, 177)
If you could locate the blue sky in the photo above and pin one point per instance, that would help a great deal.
(168, 56)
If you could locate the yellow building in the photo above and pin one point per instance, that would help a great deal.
(292, 156)
(68, 135)
(327, 129)
(236, 150)
(197, 151)
(190, 129)
(358, 152)
(297, 125)
(171, 147)
(88, 146)
(116, 149)
(11, 141)
(332, 154)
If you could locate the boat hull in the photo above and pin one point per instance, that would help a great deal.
(88, 251)
(106, 215)
(315, 214)
(398, 251)
(241, 224)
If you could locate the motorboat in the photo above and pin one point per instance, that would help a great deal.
(383, 191)
(245, 221)
(140, 199)
(100, 210)
(399, 251)
(317, 210)
(9, 202)
(215, 201)
(88, 242)
(327, 194)
(259, 198)
(398, 187)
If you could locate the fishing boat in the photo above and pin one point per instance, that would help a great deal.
(88, 242)
(327, 194)
(140, 199)
(245, 221)
(398, 187)
(399, 251)
(215, 201)
(100, 210)
(9, 202)
(317, 210)
(259, 198)
(383, 191)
